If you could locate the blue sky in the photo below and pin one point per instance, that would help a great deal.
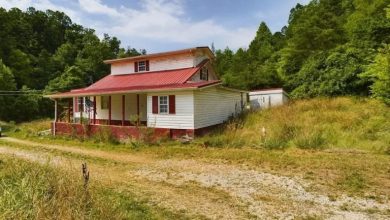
(160, 25)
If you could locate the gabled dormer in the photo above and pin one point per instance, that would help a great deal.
(179, 59)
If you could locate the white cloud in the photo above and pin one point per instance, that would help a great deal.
(154, 21)
(96, 7)
(165, 21)
(40, 5)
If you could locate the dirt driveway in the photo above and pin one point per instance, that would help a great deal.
(211, 190)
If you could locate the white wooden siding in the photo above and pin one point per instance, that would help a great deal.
(172, 62)
(215, 105)
(182, 119)
(160, 63)
(156, 64)
(122, 68)
(199, 58)
(212, 75)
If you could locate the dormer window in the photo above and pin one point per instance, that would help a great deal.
(141, 66)
(204, 74)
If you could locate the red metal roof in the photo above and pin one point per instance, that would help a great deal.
(158, 80)
(167, 77)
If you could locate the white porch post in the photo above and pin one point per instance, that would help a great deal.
(55, 116)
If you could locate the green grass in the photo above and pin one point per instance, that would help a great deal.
(322, 123)
(343, 144)
(33, 191)
(346, 122)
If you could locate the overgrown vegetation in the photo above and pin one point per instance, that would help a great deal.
(328, 48)
(310, 124)
(313, 124)
(340, 143)
(30, 190)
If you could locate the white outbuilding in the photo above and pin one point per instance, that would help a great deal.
(267, 98)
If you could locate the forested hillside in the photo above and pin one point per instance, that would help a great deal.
(45, 52)
(328, 48)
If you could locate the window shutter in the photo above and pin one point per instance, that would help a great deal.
(135, 66)
(147, 65)
(172, 104)
(155, 104)
(76, 104)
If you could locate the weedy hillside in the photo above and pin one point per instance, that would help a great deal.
(319, 123)
(335, 149)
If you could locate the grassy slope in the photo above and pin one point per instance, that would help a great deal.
(340, 144)
(352, 123)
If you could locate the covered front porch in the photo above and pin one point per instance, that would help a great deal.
(117, 109)
(119, 115)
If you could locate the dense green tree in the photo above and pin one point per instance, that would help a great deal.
(70, 79)
(325, 48)
(7, 83)
(379, 73)
(25, 106)
(46, 50)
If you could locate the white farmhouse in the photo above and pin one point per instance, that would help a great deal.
(267, 98)
(175, 93)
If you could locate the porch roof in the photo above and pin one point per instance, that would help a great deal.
(141, 82)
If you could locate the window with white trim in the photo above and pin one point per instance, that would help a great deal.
(163, 104)
(142, 65)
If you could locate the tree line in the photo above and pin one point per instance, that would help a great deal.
(328, 48)
(43, 52)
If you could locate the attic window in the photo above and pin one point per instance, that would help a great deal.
(204, 74)
(141, 66)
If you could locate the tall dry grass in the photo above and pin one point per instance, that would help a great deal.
(33, 191)
(345, 122)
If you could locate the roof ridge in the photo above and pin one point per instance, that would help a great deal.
(147, 72)
(172, 52)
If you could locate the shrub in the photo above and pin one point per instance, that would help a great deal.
(311, 140)
(105, 135)
(275, 143)
(216, 141)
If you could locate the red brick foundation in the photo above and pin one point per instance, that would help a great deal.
(119, 132)
(178, 133)
(123, 132)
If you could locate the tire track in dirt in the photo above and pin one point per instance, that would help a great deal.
(202, 203)
(265, 195)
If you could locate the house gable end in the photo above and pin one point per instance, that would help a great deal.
(159, 62)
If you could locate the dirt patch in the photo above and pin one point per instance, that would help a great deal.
(216, 190)
(265, 194)
(127, 158)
